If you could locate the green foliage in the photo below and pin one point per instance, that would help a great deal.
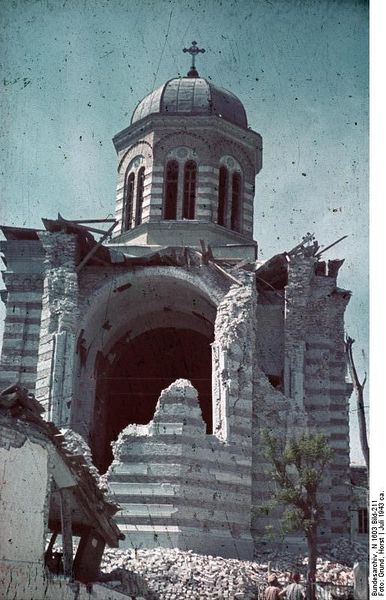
(265, 508)
(291, 520)
(298, 468)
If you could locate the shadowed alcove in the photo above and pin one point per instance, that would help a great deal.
(133, 374)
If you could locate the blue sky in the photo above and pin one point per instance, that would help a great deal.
(73, 72)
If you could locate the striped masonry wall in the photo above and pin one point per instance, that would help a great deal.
(24, 284)
(315, 323)
(178, 486)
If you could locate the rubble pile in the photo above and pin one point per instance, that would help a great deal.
(172, 574)
(75, 444)
(348, 552)
(334, 564)
(178, 575)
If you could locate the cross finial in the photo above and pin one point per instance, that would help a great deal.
(193, 51)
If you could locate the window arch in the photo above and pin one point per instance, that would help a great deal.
(129, 198)
(171, 189)
(222, 195)
(139, 203)
(236, 197)
(190, 178)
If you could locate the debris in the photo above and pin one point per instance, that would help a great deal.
(177, 574)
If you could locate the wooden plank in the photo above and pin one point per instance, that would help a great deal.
(94, 249)
(65, 514)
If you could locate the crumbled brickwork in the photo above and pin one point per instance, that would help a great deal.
(179, 487)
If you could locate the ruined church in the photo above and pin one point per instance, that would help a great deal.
(168, 345)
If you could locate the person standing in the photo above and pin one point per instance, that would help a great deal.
(294, 591)
(272, 591)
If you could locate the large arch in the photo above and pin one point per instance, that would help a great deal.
(130, 380)
(152, 324)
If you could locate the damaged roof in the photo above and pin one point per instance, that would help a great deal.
(89, 505)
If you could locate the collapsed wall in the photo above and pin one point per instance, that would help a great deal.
(277, 362)
(177, 485)
(313, 394)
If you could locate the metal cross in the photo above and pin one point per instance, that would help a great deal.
(193, 51)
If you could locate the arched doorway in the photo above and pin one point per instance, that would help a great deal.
(143, 330)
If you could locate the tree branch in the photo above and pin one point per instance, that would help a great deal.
(358, 389)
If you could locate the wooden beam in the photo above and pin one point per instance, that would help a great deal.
(95, 248)
(65, 514)
(224, 272)
(60, 218)
(330, 246)
(50, 546)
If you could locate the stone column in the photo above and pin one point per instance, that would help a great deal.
(232, 393)
(232, 363)
(54, 388)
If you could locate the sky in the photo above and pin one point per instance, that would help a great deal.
(73, 71)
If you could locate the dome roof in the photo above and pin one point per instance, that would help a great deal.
(192, 96)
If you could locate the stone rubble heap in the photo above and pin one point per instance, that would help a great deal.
(178, 575)
(348, 552)
(334, 565)
(171, 574)
(74, 443)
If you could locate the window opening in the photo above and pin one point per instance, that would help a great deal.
(170, 206)
(129, 197)
(222, 195)
(235, 211)
(363, 520)
(190, 176)
(140, 187)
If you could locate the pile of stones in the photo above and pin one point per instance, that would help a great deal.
(348, 552)
(171, 574)
(74, 443)
(333, 566)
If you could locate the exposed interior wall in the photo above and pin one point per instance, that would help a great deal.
(23, 492)
(233, 350)
(270, 337)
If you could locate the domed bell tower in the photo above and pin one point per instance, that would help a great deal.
(186, 170)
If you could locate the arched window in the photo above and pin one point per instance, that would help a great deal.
(140, 186)
(222, 195)
(236, 197)
(129, 197)
(171, 186)
(190, 176)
